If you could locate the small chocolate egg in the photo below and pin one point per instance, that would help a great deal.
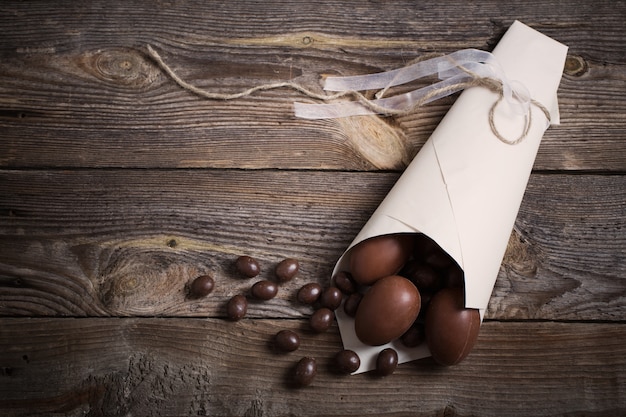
(380, 256)
(305, 371)
(386, 362)
(264, 290)
(287, 269)
(248, 266)
(201, 286)
(451, 329)
(309, 293)
(287, 340)
(387, 310)
(343, 281)
(347, 361)
(351, 304)
(331, 298)
(322, 319)
(237, 307)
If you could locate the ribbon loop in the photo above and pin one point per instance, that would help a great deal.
(409, 73)
(457, 71)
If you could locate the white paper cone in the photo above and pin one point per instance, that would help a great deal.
(465, 186)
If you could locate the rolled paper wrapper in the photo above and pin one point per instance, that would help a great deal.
(465, 186)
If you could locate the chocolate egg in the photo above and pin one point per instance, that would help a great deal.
(380, 256)
(387, 310)
(451, 329)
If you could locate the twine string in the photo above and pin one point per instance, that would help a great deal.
(475, 80)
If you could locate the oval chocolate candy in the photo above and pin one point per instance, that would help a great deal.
(387, 310)
(380, 256)
(451, 329)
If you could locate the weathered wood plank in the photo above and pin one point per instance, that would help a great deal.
(80, 91)
(126, 242)
(94, 319)
(114, 367)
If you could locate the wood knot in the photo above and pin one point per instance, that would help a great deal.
(575, 66)
(144, 281)
(520, 256)
(376, 142)
(120, 66)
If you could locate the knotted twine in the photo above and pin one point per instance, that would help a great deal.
(468, 77)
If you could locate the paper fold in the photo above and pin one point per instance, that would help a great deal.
(465, 186)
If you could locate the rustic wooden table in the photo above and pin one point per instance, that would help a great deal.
(118, 187)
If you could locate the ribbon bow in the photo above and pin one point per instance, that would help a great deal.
(457, 71)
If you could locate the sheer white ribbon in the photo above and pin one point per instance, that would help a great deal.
(456, 71)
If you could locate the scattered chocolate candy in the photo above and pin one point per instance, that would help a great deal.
(451, 329)
(237, 307)
(305, 371)
(351, 304)
(413, 337)
(343, 280)
(380, 256)
(287, 340)
(347, 361)
(248, 266)
(202, 286)
(309, 293)
(386, 362)
(321, 320)
(264, 290)
(331, 298)
(287, 269)
(387, 310)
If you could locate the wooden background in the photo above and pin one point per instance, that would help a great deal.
(117, 187)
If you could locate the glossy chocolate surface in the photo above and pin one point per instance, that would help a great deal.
(287, 269)
(386, 362)
(351, 305)
(309, 293)
(322, 319)
(387, 310)
(347, 361)
(451, 329)
(331, 298)
(264, 290)
(202, 286)
(248, 266)
(237, 307)
(378, 257)
(305, 371)
(344, 281)
(287, 340)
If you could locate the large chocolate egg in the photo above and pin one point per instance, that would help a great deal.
(387, 310)
(451, 329)
(380, 256)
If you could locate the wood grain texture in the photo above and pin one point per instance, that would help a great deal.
(117, 188)
(126, 242)
(90, 96)
(166, 367)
